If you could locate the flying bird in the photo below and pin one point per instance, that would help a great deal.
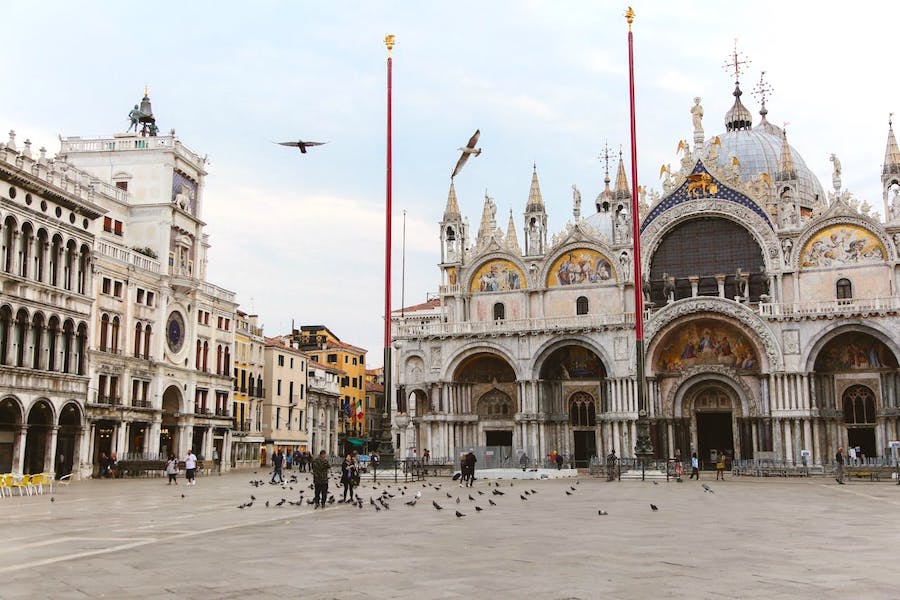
(469, 150)
(302, 145)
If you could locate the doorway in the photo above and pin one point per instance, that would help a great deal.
(498, 438)
(714, 435)
(864, 439)
(585, 448)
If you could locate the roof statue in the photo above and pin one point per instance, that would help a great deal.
(142, 119)
(836, 172)
(697, 121)
(576, 202)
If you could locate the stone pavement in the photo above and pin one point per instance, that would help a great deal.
(751, 538)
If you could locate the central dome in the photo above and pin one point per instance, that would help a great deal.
(759, 151)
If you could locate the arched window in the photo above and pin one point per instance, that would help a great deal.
(138, 331)
(582, 410)
(219, 359)
(199, 360)
(205, 356)
(147, 333)
(581, 305)
(844, 289)
(37, 337)
(226, 366)
(859, 405)
(499, 311)
(114, 342)
(104, 331)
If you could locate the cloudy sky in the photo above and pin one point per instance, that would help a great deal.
(302, 237)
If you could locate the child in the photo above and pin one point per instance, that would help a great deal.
(172, 470)
(720, 466)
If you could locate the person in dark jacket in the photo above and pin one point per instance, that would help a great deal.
(277, 463)
(348, 476)
(320, 479)
(470, 467)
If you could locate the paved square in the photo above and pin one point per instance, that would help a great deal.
(749, 539)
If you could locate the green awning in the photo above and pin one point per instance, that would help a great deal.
(356, 442)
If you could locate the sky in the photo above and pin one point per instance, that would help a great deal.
(300, 238)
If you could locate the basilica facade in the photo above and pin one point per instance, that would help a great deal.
(771, 307)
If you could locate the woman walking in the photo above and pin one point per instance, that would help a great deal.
(172, 470)
(348, 476)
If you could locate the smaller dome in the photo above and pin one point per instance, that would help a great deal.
(738, 117)
(603, 223)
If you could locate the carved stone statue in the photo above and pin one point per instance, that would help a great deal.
(897, 239)
(786, 246)
(625, 263)
(836, 173)
(894, 206)
(576, 202)
(697, 120)
(135, 117)
(645, 288)
(741, 280)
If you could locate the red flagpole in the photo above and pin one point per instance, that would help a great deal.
(389, 42)
(643, 447)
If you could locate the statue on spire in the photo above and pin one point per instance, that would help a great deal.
(697, 120)
(836, 173)
(576, 202)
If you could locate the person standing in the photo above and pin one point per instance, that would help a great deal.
(190, 467)
(373, 461)
(172, 470)
(470, 467)
(695, 466)
(611, 460)
(559, 461)
(720, 466)
(319, 470)
(348, 476)
(462, 469)
(277, 464)
(839, 466)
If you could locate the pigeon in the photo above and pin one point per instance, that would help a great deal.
(418, 495)
(412, 502)
(249, 504)
(436, 505)
(568, 493)
(655, 483)
(654, 507)
(281, 503)
(497, 492)
(252, 497)
(469, 150)
(471, 498)
(371, 501)
(239, 506)
(572, 487)
(491, 502)
(602, 512)
(457, 499)
(523, 497)
(377, 508)
(52, 499)
(182, 495)
(478, 509)
(449, 495)
(534, 491)
(303, 145)
(459, 514)
(707, 489)
(267, 504)
(527, 493)
(480, 493)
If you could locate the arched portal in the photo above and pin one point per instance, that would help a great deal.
(67, 441)
(712, 411)
(10, 423)
(168, 432)
(40, 421)
(859, 417)
(489, 385)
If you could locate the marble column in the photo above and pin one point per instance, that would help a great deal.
(18, 463)
(50, 455)
(788, 441)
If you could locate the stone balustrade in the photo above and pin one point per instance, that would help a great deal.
(830, 308)
(514, 326)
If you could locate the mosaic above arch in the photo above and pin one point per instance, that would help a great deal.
(842, 244)
(498, 275)
(582, 265)
(705, 342)
(853, 351)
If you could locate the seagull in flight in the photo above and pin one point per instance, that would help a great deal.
(302, 145)
(469, 150)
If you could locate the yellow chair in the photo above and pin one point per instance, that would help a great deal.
(6, 484)
(36, 483)
(20, 482)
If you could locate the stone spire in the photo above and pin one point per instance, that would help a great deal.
(451, 212)
(891, 153)
(512, 241)
(622, 191)
(786, 170)
(535, 200)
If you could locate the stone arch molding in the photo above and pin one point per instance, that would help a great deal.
(722, 306)
(817, 226)
(536, 363)
(814, 347)
(478, 347)
(755, 225)
(691, 377)
(411, 362)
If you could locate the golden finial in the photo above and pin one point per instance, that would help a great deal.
(147, 90)
(389, 42)
(629, 16)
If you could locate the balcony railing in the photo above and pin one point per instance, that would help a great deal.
(514, 325)
(109, 400)
(843, 307)
(140, 403)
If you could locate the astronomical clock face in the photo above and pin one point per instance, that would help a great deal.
(175, 332)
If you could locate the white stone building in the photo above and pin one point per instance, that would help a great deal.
(771, 321)
(161, 336)
(323, 407)
(49, 215)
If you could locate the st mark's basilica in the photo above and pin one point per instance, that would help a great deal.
(771, 314)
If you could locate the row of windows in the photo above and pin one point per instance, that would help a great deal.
(34, 254)
(112, 226)
(46, 344)
(223, 323)
(333, 358)
(112, 288)
(85, 223)
(581, 308)
(223, 358)
(289, 424)
(145, 297)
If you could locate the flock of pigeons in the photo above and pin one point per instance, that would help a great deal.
(410, 494)
(466, 151)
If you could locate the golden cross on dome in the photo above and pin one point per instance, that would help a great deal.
(736, 62)
(762, 89)
(605, 157)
